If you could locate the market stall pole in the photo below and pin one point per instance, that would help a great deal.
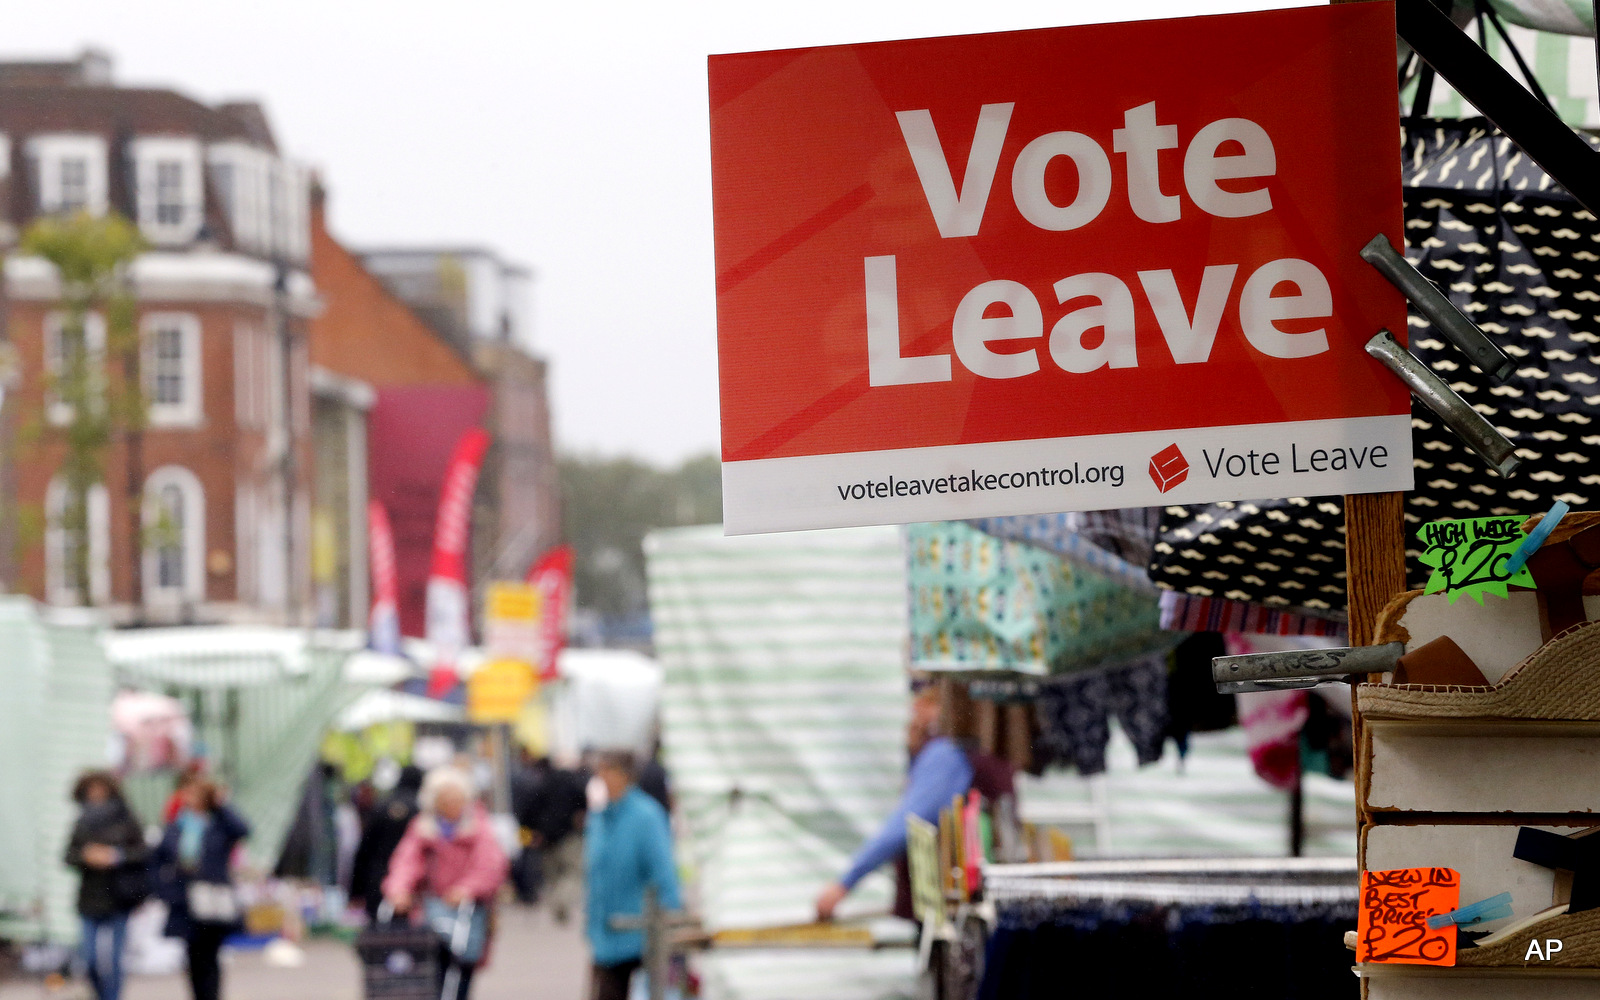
(1375, 570)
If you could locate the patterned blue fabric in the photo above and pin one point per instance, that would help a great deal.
(1075, 713)
(985, 603)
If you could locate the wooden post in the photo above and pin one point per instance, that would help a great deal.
(1375, 558)
(957, 716)
(1375, 571)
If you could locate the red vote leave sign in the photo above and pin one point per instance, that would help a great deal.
(1075, 268)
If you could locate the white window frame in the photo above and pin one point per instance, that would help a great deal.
(49, 152)
(193, 538)
(149, 153)
(246, 192)
(58, 413)
(188, 411)
(295, 238)
(58, 589)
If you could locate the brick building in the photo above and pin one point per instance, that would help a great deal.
(424, 395)
(223, 295)
(480, 305)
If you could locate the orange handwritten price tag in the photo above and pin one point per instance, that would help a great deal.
(1392, 925)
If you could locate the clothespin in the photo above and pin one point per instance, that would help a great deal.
(1536, 537)
(1441, 312)
(1479, 434)
(1484, 910)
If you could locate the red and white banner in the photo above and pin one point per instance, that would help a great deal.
(383, 623)
(448, 624)
(552, 577)
(1076, 268)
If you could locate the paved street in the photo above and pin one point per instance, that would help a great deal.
(533, 960)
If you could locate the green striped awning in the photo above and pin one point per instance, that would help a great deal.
(782, 722)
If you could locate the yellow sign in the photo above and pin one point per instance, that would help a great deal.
(511, 613)
(512, 602)
(922, 857)
(497, 690)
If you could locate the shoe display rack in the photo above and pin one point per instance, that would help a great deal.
(1498, 780)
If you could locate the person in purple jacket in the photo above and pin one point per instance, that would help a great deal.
(940, 770)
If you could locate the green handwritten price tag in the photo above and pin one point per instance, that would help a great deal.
(1469, 557)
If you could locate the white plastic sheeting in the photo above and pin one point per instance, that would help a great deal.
(607, 700)
(783, 721)
(260, 699)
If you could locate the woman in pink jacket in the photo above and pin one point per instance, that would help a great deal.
(450, 862)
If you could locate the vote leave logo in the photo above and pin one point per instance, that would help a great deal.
(1168, 467)
(1072, 241)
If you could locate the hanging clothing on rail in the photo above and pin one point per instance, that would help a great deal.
(1044, 949)
(1194, 705)
(1075, 713)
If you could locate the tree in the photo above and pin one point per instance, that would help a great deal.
(91, 255)
(608, 505)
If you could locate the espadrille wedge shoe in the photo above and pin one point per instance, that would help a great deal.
(1559, 682)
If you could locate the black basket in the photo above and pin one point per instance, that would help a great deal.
(399, 963)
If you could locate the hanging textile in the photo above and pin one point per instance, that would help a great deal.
(1287, 946)
(1286, 952)
(1567, 17)
(1091, 535)
(1074, 714)
(1517, 254)
(1194, 705)
(1275, 722)
(984, 603)
(1188, 613)
(1272, 721)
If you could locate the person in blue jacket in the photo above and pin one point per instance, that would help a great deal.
(940, 770)
(627, 848)
(193, 870)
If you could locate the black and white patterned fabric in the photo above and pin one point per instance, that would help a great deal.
(1522, 259)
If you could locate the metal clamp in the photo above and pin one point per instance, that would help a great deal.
(1441, 312)
(1480, 435)
(1301, 668)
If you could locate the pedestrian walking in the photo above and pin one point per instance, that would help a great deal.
(528, 781)
(194, 876)
(108, 849)
(627, 849)
(557, 836)
(386, 825)
(450, 863)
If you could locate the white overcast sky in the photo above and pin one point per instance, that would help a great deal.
(570, 136)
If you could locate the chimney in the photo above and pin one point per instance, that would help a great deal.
(92, 68)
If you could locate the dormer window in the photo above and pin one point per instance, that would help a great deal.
(69, 173)
(267, 200)
(169, 192)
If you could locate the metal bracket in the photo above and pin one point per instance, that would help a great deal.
(1301, 668)
(1441, 312)
(1469, 425)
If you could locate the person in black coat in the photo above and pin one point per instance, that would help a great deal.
(385, 826)
(108, 849)
(555, 832)
(193, 869)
